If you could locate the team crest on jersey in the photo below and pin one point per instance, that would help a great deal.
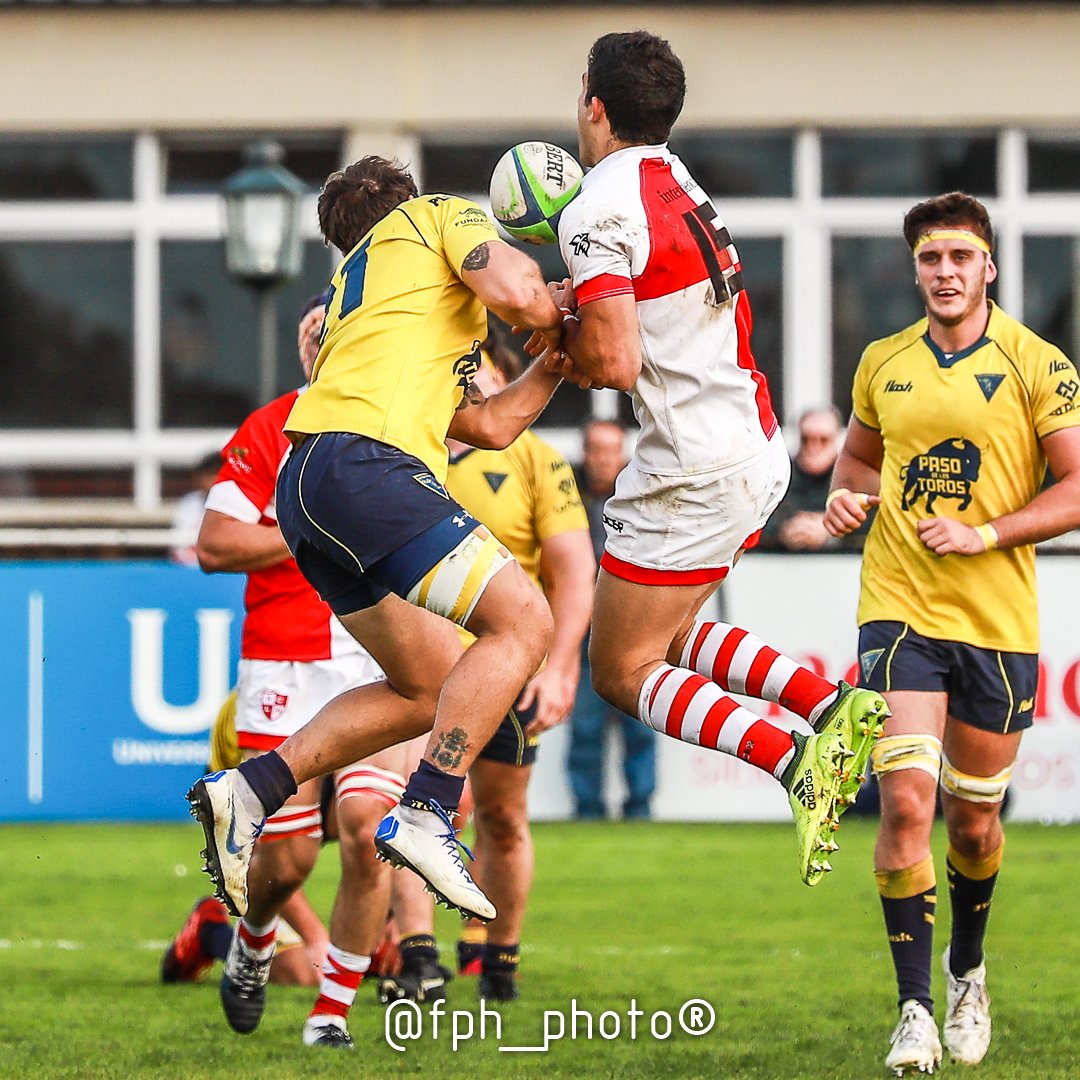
(273, 704)
(988, 384)
(495, 480)
(868, 661)
(429, 481)
(465, 367)
(947, 470)
(237, 458)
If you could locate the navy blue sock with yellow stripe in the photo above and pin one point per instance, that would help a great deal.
(971, 889)
(908, 900)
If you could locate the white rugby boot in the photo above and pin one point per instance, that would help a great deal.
(422, 838)
(231, 828)
(967, 1020)
(916, 1047)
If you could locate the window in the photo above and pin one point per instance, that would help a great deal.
(909, 165)
(199, 165)
(1052, 290)
(464, 166)
(1054, 165)
(209, 333)
(66, 334)
(729, 164)
(49, 168)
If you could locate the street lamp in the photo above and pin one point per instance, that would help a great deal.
(262, 240)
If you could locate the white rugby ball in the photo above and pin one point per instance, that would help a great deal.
(530, 186)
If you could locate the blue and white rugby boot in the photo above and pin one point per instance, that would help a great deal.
(422, 838)
(231, 827)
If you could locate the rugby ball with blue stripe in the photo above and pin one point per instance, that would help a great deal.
(531, 185)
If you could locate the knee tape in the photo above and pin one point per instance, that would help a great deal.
(978, 789)
(895, 752)
(453, 586)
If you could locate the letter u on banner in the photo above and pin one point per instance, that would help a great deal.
(147, 670)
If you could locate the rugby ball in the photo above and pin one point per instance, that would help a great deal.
(530, 186)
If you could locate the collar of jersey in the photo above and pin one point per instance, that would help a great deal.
(627, 153)
(947, 361)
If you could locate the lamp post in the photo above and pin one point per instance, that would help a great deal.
(262, 240)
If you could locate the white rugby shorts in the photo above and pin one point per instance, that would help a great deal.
(275, 698)
(687, 530)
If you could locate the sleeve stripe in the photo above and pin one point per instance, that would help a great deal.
(226, 498)
(603, 286)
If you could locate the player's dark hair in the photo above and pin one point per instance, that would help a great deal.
(503, 355)
(356, 198)
(954, 210)
(641, 82)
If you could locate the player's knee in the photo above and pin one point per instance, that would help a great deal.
(358, 834)
(504, 824)
(975, 831)
(907, 806)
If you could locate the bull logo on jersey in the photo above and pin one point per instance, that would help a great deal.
(273, 704)
(947, 470)
(465, 367)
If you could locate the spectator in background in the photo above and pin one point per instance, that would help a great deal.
(188, 512)
(798, 524)
(603, 460)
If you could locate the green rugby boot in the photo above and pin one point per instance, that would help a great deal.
(812, 780)
(856, 717)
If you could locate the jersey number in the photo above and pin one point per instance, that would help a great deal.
(352, 280)
(717, 251)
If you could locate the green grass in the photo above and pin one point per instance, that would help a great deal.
(799, 978)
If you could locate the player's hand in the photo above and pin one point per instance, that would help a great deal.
(562, 292)
(945, 536)
(552, 692)
(804, 531)
(559, 363)
(848, 511)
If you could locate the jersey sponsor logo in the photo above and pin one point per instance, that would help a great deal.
(1061, 410)
(1067, 390)
(495, 480)
(429, 481)
(988, 384)
(471, 217)
(237, 456)
(1059, 365)
(868, 661)
(580, 243)
(567, 485)
(947, 470)
(892, 387)
(273, 704)
(614, 523)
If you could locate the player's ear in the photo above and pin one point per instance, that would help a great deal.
(991, 269)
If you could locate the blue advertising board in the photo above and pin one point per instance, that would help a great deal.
(112, 675)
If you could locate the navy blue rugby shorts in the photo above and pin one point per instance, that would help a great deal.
(364, 519)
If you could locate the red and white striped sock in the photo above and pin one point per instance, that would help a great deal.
(689, 707)
(258, 939)
(341, 975)
(741, 663)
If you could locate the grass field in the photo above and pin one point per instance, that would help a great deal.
(799, 979)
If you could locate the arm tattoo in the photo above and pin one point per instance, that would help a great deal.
(473, 396)
(450, 748)
(478, 258)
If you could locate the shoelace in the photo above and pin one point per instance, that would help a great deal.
(450, 838)
(251, 973)
(908, 1031)
(969, 1001)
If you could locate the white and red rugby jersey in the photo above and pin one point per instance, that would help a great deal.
(285, 618)
(643, 226)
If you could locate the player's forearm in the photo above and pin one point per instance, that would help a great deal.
(609, 360)
(497, 421)
(1051, 513)
(855, 475)
(237, 547)
(568, 587)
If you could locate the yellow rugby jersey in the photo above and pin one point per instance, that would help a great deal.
(523, 494)
(401, 338)
(961, 438)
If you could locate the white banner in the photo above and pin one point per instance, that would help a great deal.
(805, 605)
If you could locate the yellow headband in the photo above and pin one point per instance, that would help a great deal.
(950, 234)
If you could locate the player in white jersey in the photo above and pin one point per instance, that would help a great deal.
(656, 307)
